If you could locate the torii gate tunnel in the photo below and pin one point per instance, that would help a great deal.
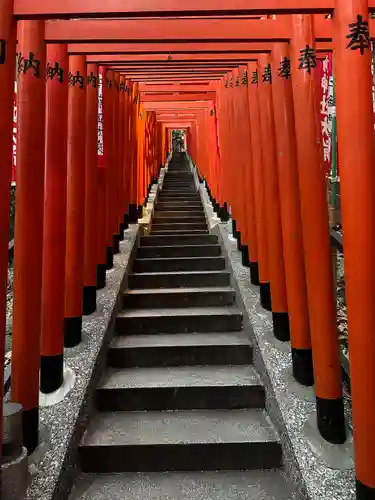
(101, 87)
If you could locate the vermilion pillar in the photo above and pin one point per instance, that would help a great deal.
(249, 187)
(75, 200)
(316, 239)
(282, 94)
(121, 139)
(109, 159)
(272, 201)
(7, 71)
(115, 190)
(29, 225)
(101, 254)
(259, 195)
(356, 149)
(53, 290)
(91, 186)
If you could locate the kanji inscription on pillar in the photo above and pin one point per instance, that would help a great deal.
(76, 79)
(254, 79)
(359, 35)
(92, 80)
(307, 59)
(267, 75)
(24, 64)
(284, 69)
(100, 118)
(56, 70)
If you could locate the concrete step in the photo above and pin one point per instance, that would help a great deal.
(179, 220)
(179, 297)
(179, 279)
(179, 388)
(188, 185)
(181, 226)
(161, 214)
(164, 232)
(178, 205)
(179, 349)
(205, 485)
(180, 320)
(170, 195)
(179, 440)
(179, 251)
(187, 239)
(179, 264)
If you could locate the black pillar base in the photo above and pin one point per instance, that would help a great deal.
(121, 231)
(303, 370)
(116, 244)
(254, 273)
(234, 228)
(224, 214)
(281, 328)
(330, 419)
(51, 373)
(89, 300)
(133, 214)
(126, 221)
(245, 255)
(364, 492)
(139, 212)
(265, 296)
(30, 429)
(239, 243)
(109, 264)
(72, 331)
(101, 277)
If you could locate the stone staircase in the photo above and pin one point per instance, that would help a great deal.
(180, 393)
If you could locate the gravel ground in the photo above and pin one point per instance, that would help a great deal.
(342, 322)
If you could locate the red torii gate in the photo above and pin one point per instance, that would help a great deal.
(355, 119)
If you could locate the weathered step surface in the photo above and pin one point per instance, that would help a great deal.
(180, 388)
(179, 264)
(179, 279)
(205, 485)
(180, 214)
(179, 440)
(189, 320)
(171, 232)
(178, 205)
(196, 219)
(179, 226)
(179, 349)
(185, 239)
(179, 251)
(179, 297)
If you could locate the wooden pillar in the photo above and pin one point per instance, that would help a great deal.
(75, 228)
(101, 254)
(28, 246)
(114, 194)
(316, 239)
(272, 201)
(249, 185)
(91, 186)
(282, 94)
(356, 152)
(7, 72)
(259, 194)
(54, 238)
(108, 147)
